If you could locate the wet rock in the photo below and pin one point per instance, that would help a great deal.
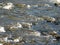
(20, 5)
(44, 33)
(13, 26)
(26, 25)
(34, 23)
(40, 5)
(29, 32)
(56, 23)
(1, 4)
(49, 19)
(23, 6)
(53, 33)
(56, 4)
(57, 37)
(46, 39)
(35, 33)
(18, 39)
(7, 44)
(7, 27)
(32, 41)
(22, 41)
(23, 31)
(17, 25)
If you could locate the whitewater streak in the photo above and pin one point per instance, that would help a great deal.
(54, 1)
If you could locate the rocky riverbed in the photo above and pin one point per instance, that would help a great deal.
(29, 22)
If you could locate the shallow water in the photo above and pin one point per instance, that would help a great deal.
(23, 15)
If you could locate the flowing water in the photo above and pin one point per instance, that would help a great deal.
(17, 14)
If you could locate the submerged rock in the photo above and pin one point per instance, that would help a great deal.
(28, 32)
(20, 5)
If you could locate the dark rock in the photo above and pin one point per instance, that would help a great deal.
(48, 21)
(56, 23)
(56, 4)
(57, 37)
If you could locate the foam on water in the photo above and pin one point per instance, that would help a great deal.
(2, 29)
(54, 1)
(8, 6)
